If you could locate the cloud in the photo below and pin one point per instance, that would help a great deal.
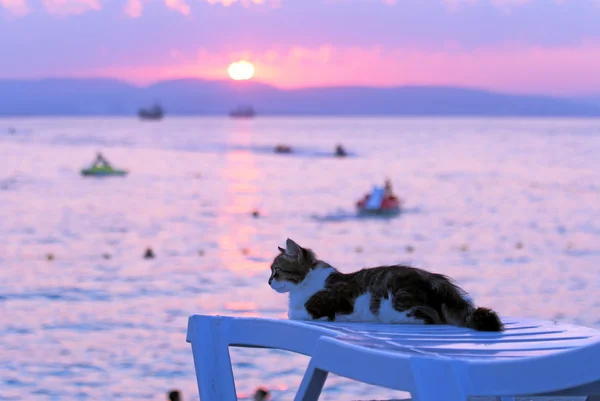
(503, 4)
(133, 8)
(178, 5)
(71, 7)
(245, 3)
(15, 7)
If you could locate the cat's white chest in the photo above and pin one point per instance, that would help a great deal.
(313, 283)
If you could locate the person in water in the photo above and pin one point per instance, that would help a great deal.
(340, 151)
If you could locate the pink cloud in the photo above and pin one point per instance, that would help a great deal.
(71, 7)
(15, 7)
(245, 3)
(502, 4)
(178, 5)
(133, 8)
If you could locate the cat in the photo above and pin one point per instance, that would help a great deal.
(385, 294)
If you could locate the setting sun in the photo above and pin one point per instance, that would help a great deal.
(241, 70)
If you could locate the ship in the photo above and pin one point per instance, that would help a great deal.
(242, 112)
(155, 112)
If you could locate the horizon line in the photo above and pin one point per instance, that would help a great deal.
(291, 89)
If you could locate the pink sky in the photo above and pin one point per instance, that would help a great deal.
(521, 46)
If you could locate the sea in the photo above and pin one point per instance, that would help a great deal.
(510, 208)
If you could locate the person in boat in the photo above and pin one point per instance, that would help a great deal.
(388, 192)
(101, 162)
(340, 151)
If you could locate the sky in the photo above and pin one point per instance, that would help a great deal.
(517, 46)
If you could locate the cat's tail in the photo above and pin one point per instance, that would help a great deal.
(458, 308)
(484, 319)
(480, 319)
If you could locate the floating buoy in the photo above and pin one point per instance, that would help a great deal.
(410, 249)
(106, 256)
(174, 395)
(50, 257)
(358, 249)
(245, 251)
(201, 252)
(149, 254)
(261, 394)
(255, 213)
(519, 245)
(464, 247)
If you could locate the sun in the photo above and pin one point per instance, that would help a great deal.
(241, 70)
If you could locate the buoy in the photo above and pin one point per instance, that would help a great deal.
(255, 213)
(201, 252)
(149, 254)
(410, 249)
(245, 251)
(174, 395)
(106, 255)
(464, 247)
(519, 245)
(50, 257)
(261, 394)
(358, 249)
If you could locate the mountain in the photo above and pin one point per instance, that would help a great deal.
(89, 97)
(592, 100)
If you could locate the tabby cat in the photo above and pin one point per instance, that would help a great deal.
(384, 294)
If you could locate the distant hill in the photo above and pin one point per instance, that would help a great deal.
(94, 97)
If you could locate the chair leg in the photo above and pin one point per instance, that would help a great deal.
(312, 384)
(213, 366)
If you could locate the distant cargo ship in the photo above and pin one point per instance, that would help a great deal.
(155, 112)
(243, 112)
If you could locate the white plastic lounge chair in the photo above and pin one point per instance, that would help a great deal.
(433, 363)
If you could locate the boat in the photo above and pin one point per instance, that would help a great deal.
(380, 201)
(154, 112)
(283, 149)
(243, 112)
(102, 168)
(103, 171)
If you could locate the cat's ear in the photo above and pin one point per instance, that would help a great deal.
(281, 249)
(292, 249)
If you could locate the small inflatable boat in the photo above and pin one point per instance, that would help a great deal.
(103, 171)
(102, 168)
(379, 203)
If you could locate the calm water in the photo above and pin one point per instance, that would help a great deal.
(83, 327)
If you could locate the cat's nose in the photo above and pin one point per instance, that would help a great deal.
(270, 279)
